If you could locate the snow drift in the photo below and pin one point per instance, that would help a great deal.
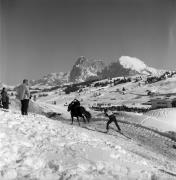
(161, 119)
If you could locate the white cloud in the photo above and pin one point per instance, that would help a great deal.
(132, 63)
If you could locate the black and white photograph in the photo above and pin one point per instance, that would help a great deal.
(87, 89)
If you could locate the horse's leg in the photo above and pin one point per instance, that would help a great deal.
(88, 120)
(84, 119)
(72, 119)
(78, 120)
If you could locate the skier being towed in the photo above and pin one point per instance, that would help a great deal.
(112, 118)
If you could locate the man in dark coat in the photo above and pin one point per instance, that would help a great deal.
(4, 99)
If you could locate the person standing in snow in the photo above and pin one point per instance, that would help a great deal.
(112, 118)
(123, 90)
(4, 99)
(24, 96)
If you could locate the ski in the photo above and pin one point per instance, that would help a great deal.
(124, 135)
(105, 132)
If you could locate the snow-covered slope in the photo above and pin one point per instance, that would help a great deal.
(167, 86)
(110, 94)
(161, 119)
(35, 147)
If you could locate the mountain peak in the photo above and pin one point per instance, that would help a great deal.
(80, 60)
(85, 69)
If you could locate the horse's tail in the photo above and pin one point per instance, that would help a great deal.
(87, 114)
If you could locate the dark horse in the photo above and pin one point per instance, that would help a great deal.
(78, 111)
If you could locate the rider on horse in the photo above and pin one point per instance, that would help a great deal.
(76, 102)
(77, 111)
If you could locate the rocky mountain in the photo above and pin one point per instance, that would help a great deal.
(88, 69)
(85, 69)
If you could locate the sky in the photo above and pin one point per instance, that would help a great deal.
(38, 37)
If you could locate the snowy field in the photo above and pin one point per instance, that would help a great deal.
(135, 96)
(37, 147)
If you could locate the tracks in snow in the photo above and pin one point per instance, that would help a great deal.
(158, 145)
(152, 139)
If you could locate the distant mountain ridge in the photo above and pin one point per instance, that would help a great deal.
(51, 79)
(87, 69)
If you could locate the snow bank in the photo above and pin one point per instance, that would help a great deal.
(41, 108)
(161, 119)
(33, 106)
(34, 147)
(167, 86)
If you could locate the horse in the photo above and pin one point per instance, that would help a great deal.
(78, 111)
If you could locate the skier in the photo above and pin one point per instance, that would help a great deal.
(112, 118)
